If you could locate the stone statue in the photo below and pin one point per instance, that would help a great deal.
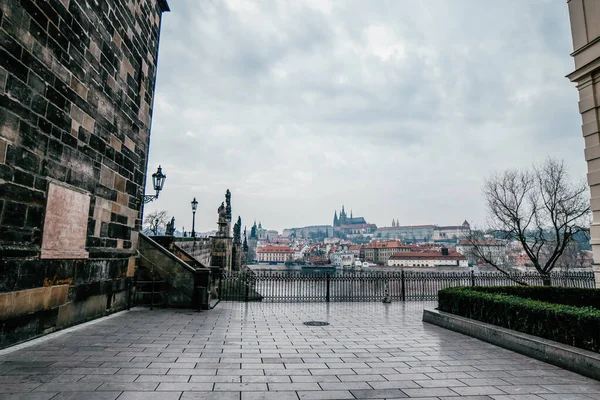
(228, 201)
(222, 214)
(170, 229)
(237, 231)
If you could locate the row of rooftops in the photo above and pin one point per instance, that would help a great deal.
(427, 255)
(274, 249)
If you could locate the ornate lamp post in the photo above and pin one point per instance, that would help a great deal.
(194, 207)
(158, 181)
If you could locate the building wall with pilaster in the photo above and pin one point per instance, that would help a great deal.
(585, 29)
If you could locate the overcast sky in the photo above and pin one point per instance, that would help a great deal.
(396, 109)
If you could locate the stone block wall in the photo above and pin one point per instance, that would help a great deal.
(76, 92)
(200, 249)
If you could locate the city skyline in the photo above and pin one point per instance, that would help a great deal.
(406, 100)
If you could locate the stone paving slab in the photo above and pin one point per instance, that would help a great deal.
(255, 351)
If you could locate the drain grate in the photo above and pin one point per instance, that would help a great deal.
(316, 323)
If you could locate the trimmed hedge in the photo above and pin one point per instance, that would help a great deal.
(569, 296)
(574, 326)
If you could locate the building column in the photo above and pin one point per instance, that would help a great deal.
(589, 107)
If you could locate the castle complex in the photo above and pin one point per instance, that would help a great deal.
(345, 225)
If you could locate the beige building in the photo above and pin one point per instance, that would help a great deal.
(451, 233)
(277, 254)
(585, 30)
(428, 259)
(490, 249)
(380, 252)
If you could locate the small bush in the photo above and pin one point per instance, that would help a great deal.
(571, 325)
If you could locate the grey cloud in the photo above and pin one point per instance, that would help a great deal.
(397, 109)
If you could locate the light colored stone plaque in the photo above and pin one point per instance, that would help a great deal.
(65, 222)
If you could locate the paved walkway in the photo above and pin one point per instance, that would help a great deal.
(263, 351)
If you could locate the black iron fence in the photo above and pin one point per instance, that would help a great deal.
(152, 292)
(299, 286)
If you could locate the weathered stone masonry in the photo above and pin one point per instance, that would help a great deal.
(76, 92)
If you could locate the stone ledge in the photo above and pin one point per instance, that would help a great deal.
(571, 358)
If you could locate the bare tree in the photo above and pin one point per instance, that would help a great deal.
(156, 221)
(573, 258)
(541, 208)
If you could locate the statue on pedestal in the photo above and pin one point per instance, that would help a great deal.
(170, 229)
(223, 222)
(222, 214)
(237, 232)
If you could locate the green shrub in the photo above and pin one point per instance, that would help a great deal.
(577, 297)
(575, 326)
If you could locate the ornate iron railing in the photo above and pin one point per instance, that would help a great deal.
(301, 286)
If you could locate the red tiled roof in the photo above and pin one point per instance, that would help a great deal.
(426, 255)
(468, 242)
(274, 249)
(384, 245)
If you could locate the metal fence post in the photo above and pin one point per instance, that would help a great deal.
(328, 284)
(403, 285)
(128, 283)
(152, 295)
(247, 284)
(220, 284)
(199, 297)
(472, 278)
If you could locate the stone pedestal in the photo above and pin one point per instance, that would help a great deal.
(221, 252)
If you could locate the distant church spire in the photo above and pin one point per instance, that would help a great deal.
(393, 223)
(335, 219)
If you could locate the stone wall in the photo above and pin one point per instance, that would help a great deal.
(200, 249)
(182, 277)
(76, 93)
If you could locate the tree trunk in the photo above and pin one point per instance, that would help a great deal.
(546, 280)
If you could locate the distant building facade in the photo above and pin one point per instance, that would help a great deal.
(278, 254)
(424, 233)
(493, 249)
(310, 232)
(380, 252)
(428, 259)
(265, 234)
(343, 259)
(407, 233)
(451, 233)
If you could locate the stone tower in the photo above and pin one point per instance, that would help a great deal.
(222, 242)
(76, 96)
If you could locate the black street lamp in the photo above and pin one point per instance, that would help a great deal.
(158, 181)
(194, 207)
